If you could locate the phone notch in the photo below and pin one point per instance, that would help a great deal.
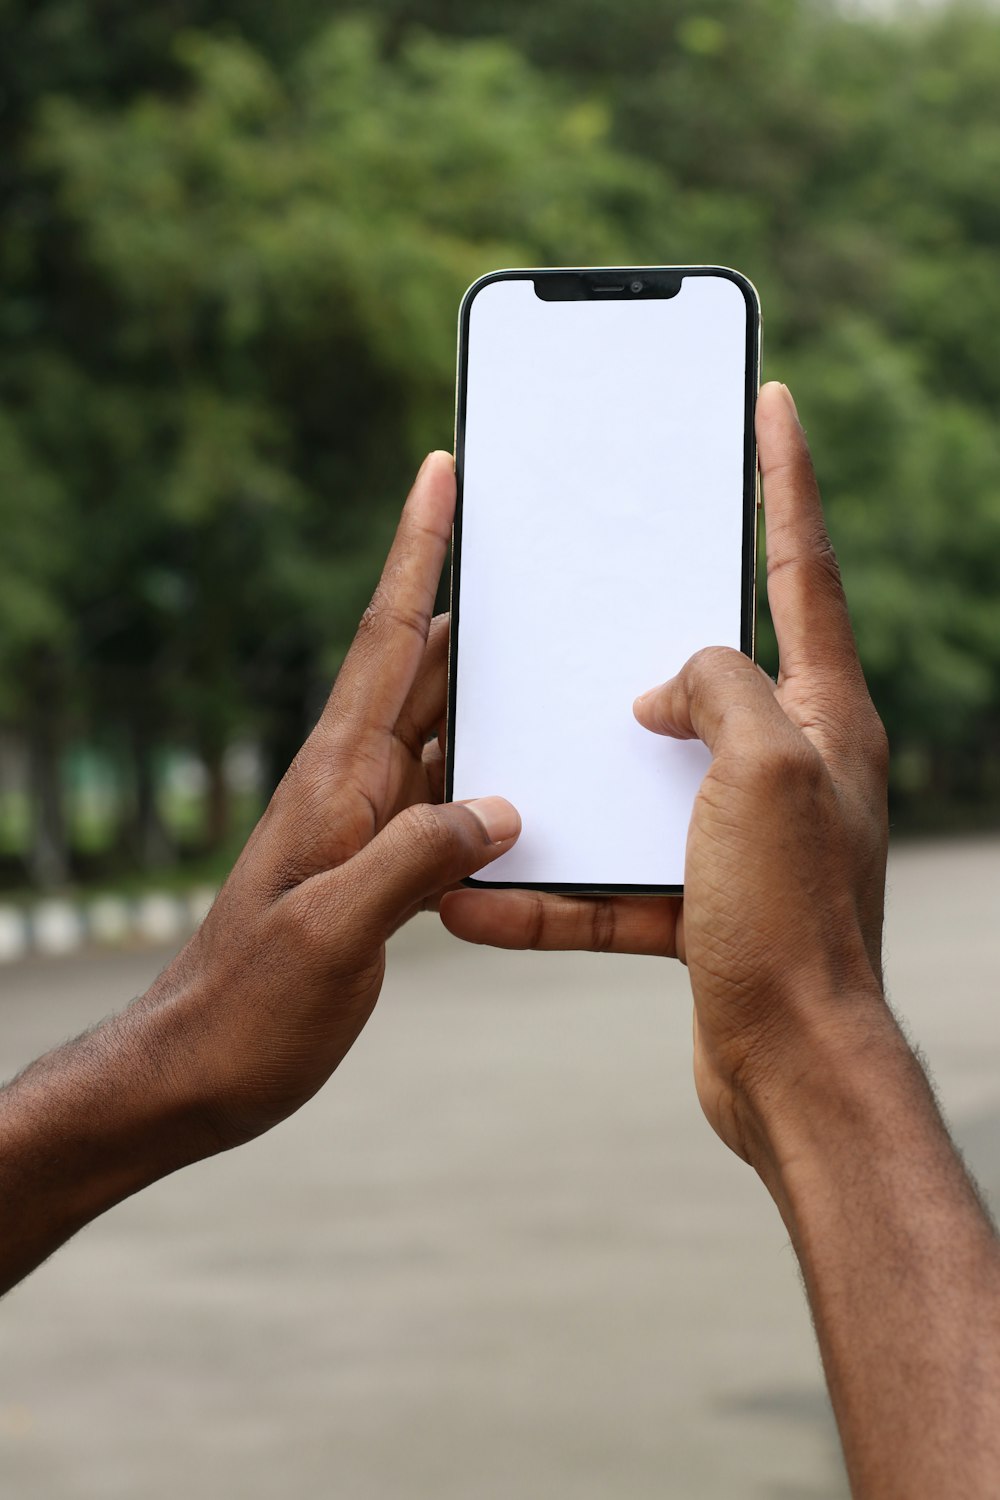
(626, 285)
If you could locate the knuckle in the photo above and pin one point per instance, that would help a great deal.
(305, 923)
(790, 764)
(421, 826)
(383, 613)
(535, 935)
(409, 735)
(861, 738)
(709, 667)
(416, 620)
(711, 660)
(369, 621)
(812, 551)
(603, 925)
(724, 684)
(824, 557)
(877, 741)
(823, 569)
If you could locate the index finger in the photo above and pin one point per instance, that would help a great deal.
(380, 667)
(545, 921)
(804, 587)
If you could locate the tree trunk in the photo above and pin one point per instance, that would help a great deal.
(48, 854)
(149, 842)
(217, 798)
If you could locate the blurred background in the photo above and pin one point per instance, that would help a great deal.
(234, 241)
(503, 1254)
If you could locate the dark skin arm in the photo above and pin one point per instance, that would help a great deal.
(799, 1064)
(264, 1002)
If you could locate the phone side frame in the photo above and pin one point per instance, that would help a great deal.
(751, 506)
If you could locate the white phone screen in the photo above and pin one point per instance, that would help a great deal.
(604, 518)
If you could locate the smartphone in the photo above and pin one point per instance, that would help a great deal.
(605, 530)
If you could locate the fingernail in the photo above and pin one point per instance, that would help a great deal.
(499, 819)
(435, 453)
(791, 401)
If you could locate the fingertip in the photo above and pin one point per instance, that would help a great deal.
(781, 438)
(451, 901)
(433, 493)
(790, 399)
(647, 709)
(500, 820)
(438, 462)
(776, 399)
(437, 472)
(458, 913)
(777, 419)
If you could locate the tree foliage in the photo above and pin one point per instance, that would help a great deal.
(235, 242)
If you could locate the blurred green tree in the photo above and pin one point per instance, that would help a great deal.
(235, 239)
(258, 278)
(36, 648)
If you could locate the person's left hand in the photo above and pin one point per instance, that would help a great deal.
(272, 991)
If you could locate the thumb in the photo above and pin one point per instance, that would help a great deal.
(720, 696)
(425, 849)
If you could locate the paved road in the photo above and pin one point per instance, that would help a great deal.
(502, 1256)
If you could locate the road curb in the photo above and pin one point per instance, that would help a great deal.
(56, 926)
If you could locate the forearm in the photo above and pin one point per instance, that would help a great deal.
(901, 1263)
(86, 1126)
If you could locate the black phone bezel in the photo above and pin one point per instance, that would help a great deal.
(597, 276)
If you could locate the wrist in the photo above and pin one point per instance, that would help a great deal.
(849, 1137)
(84, 1127)
(838, 1079)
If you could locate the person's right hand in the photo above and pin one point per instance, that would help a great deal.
(781, 918)
(785, 868)
(799, 1064)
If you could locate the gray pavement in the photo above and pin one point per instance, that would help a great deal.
(500, 1255)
